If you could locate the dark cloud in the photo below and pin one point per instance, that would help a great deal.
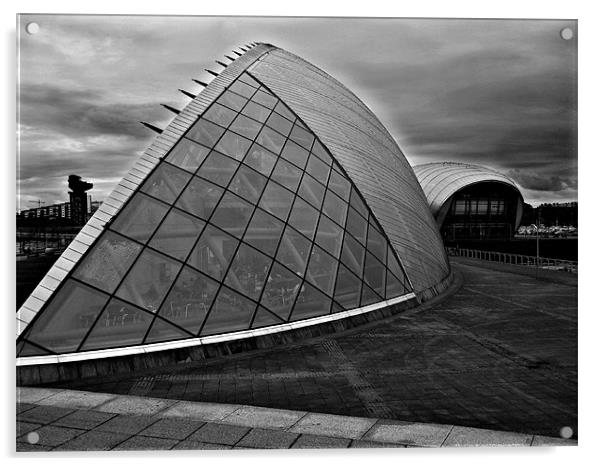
(498, 93)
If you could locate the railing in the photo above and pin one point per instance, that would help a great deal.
(516, 259)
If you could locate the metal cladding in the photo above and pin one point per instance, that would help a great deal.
(353, 234)
(441, 180)
(369, 155)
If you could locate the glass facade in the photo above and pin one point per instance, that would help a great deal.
(247, 222)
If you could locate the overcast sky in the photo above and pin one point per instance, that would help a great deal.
(499, 93)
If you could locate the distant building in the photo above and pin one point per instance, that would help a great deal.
(471, 201)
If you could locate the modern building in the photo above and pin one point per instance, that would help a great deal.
(471, 201)
(274, 204)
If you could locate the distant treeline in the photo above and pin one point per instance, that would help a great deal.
(564, 214)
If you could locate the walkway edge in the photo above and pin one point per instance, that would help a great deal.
(385, 431)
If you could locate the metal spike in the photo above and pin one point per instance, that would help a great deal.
(244, 49)
(152, 127)
(229, 57)
(200, 83)
(221, 63)
(186, 93)
(237, 53)
(171, 109)
(214, 73)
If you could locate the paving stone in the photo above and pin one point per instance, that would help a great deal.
(22, 407)
(542, 441)
(319, 441)
(471, 437)
(127, 424)
(172, 428)
(25, 427)
(52, 435)
(267, 438)
(84, 419)
(331, 425)
(135, 405)
(190, 445)
(43, 414)
(266, 418)
(77, 399)
(408, 433)
(219, 433)
(140, 442)
(368, 444)
(33, 394)
(200, 411)
(94, 440)
(27, 447)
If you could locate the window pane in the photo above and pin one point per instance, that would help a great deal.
(279, 123)
(339, 185)
(285, 112)
(322, 270)
(149, 279)
(320, 151)
(369, 296)
(200, 198)
(352, 254)
(166, 182)
(277, 200)
(377, 244)
(232, 214)
(233, 145)
(280, 291)
(335, 208)
(245, 78)
(460, 207)
(394, 287)
(187, 155)
(140, 217)
(374, 274)
(260, 159)
(310, 303)
(164, 331)
(121, 324)
(264, 232)
(67, 318)
(242, 89)
(357, 226)
(205, 132)
(329, 236)
(295, 153)
(271, 140)
(189, 300)
(245, 126)
(302, 137)
(294, 251)
(213, 252)
(264, 318)
(358, 204)
(230, 312)
(311, 191)
(265, 99)
(108, 261)
(177, 234)
(218, 168)
(256, 111)
(304, 217)
(318, 169)
(287, 175)
(219, 114)
(248, 184)
(248, 271)
(233, 101)
(393, 265)
(348, 290)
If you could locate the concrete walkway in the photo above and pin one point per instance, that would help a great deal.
(68, 420)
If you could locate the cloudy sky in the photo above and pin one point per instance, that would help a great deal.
(500, 93)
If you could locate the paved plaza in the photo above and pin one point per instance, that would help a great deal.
(500, 353)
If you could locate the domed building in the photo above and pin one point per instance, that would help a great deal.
(471, 201)
(275, 204)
